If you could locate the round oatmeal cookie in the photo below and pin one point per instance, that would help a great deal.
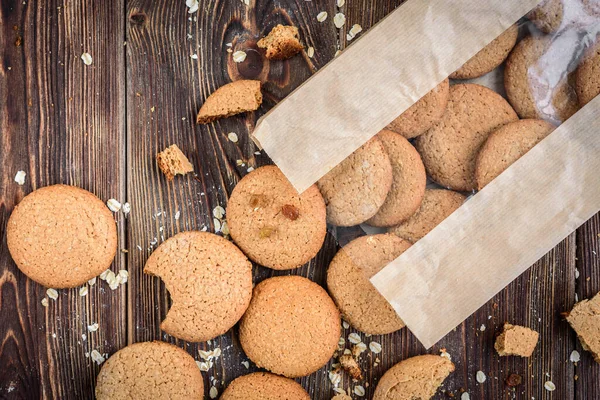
(490, 57)
(264, 386)
(348, 282)
(534, 94)
(210, 282)
(408, 181)
(423, 114)
(62, 236)
(587, 76)
(506, 145)
(292, 326)
(150, 370)
(437, 205)
(414, 378)
(449, 149)
(356, 188)
(274, 225)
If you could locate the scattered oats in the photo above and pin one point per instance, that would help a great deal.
(355, 30)
(551, 387)
(239, 56)
(192, 5)
(218, 212)
(113, 205)
(257, 153)
(139, 247)
(339, 390)
(52, 293)
(339, 20)
(177, 215)
(83, 336)
(375, 347)
(217, 225)
(87, 58)
(229, 44)
(322, 16)
(246, 364)
(152, 109)
(45, 302)
(345, 325)
(335, 378)
(232, 136)
(87, 354)
(124, 275)
(247, 2)
(445, 354)
(359, 391)
(194, 56)
(210, 355)
(354, 338)
(358, 349)
(225, 228)
(576, 270)
(480, 376)
(340, 3)
(92, 281)
(250, 169)
(83, 291)
(341, 342)
(310, 52)
(347, 351)
(126, 209)
(465, 396)
(239, 163)
(213, 392)
(97, 357)
(54, 335)
(337, 53)
(20, 177)
(482, 328)
(204, 365)
(93, 327)
(575, 356)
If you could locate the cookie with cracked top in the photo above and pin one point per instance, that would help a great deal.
(264, 386)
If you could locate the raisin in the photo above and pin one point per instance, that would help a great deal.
(291, 212)
(266, 231)
(513, 380)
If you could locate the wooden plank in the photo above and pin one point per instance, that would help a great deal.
(60, 120)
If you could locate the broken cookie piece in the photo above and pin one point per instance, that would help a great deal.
(585, 320)
(516, 341)
(281, 43)
(172, 162)
(350, 365)
(341, 397)
(234, 98)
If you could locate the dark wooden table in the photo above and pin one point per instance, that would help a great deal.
(100, 126)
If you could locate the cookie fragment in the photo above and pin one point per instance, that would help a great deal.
(264, 386)
(584, 318)
(281, 43)
(350, 365)
(234, 98)
(548, 16)
(587, 75)
(172, 161)
(516, 341)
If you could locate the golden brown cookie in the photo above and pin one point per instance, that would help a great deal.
(150, 370)
(584, 318)
(281, 43)
(516, 341)
(437, 205)
(423, 114)
(408, 181)
(449, 149)
(587, 76)
(264, 386)
(341, 397)
(292, 326)
(62, 236)
(489, 57)
(506, 145)
(274, 225)
(348, 282)
(172, 161)
(210, 282)
(357, 187)
(536, 80)
(548, 16)
(234, 98)
(414, 378)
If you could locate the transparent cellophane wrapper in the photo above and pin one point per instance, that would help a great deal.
(499, 231)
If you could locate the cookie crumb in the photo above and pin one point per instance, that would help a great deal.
(350, 365)
(513, 380)
(281, 43)
(358, 349)
(516, 341)
(246, 364)
(234, 98)
(20, 178)
(173, 162)
(310, 52)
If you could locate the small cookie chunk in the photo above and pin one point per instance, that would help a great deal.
(234, 98)
(506, 145)
(292, 326)
(449, 149)
(489, 57)
(348, 282)
(210, 282)
(62, 236)
(587, 75)
(548, 16)
(349, 364)
(584, 318)
(341, 397)
(437, 205)
(408, 181)
(423, 114)
(414, 378)
(281, 43)
(516, 341)
(172, 161)
(356, 188)
(536, 80)
(150, 370)
(264, 386)
(273, 224)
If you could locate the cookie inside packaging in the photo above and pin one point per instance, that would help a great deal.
(437, 146)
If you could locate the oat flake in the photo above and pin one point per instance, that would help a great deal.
(113, 205)
(465, 396)
(194, 56)
(192, 6)
(239, 56)
(92, 281)
(177, 215)
(232, 136)
(97, 357)
(218, 212)
(204, 366)
(335, 378)
(52, 293)
(549, 386)
(126, 209)
(359, 391)
(83, 291)
(339, 20)
(480, 377)
(87, 58)
(375, 347)
(340, 3)
(575, 356)
(246, 364)
(217, 224)
(20, 177)
(225, 228)
(322, 16)
(94, 327)
(45, 302)
(354, 338)
(310, 52)
(345, 325)
(250, 169)
(213, 392)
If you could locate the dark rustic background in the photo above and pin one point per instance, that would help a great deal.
(100, 126)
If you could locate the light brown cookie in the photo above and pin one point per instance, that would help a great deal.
(62, 236)
(516, 341)
(172, 161)
(341, 397)
(210, 282)
(537, 82)
(348, 282)
(281, 43)
(587, 75)
(489, 57)
(584, 318)
(274, 225)
(414, 378)
(150, 370)
(437, 205)
(449, 149)
(506, 145)
(292, 326)
(408, 181)
(264, 386)
(234, 98)
(357, 187)
(548, 16)
(423, 114)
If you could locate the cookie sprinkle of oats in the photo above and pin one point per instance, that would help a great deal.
(126, 209)
(322, 16)
(310, 52)
(45, 302)
(192, 6)
(246, 364)
(340, 3)
(465, 396)
(97, 357)
(213, 392)
(239, 56)
(359, 391)
(113, 205)
(375, 347)
(550, 386)
(480, 377)
(92, 281)
(218, 212)
(52, 293)
(339, 20)
(575, 356)
(20, 178)
(232, 136)
(83, 291)
(93, 327)
(355, 30)
(354, 338)
(87, 58)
